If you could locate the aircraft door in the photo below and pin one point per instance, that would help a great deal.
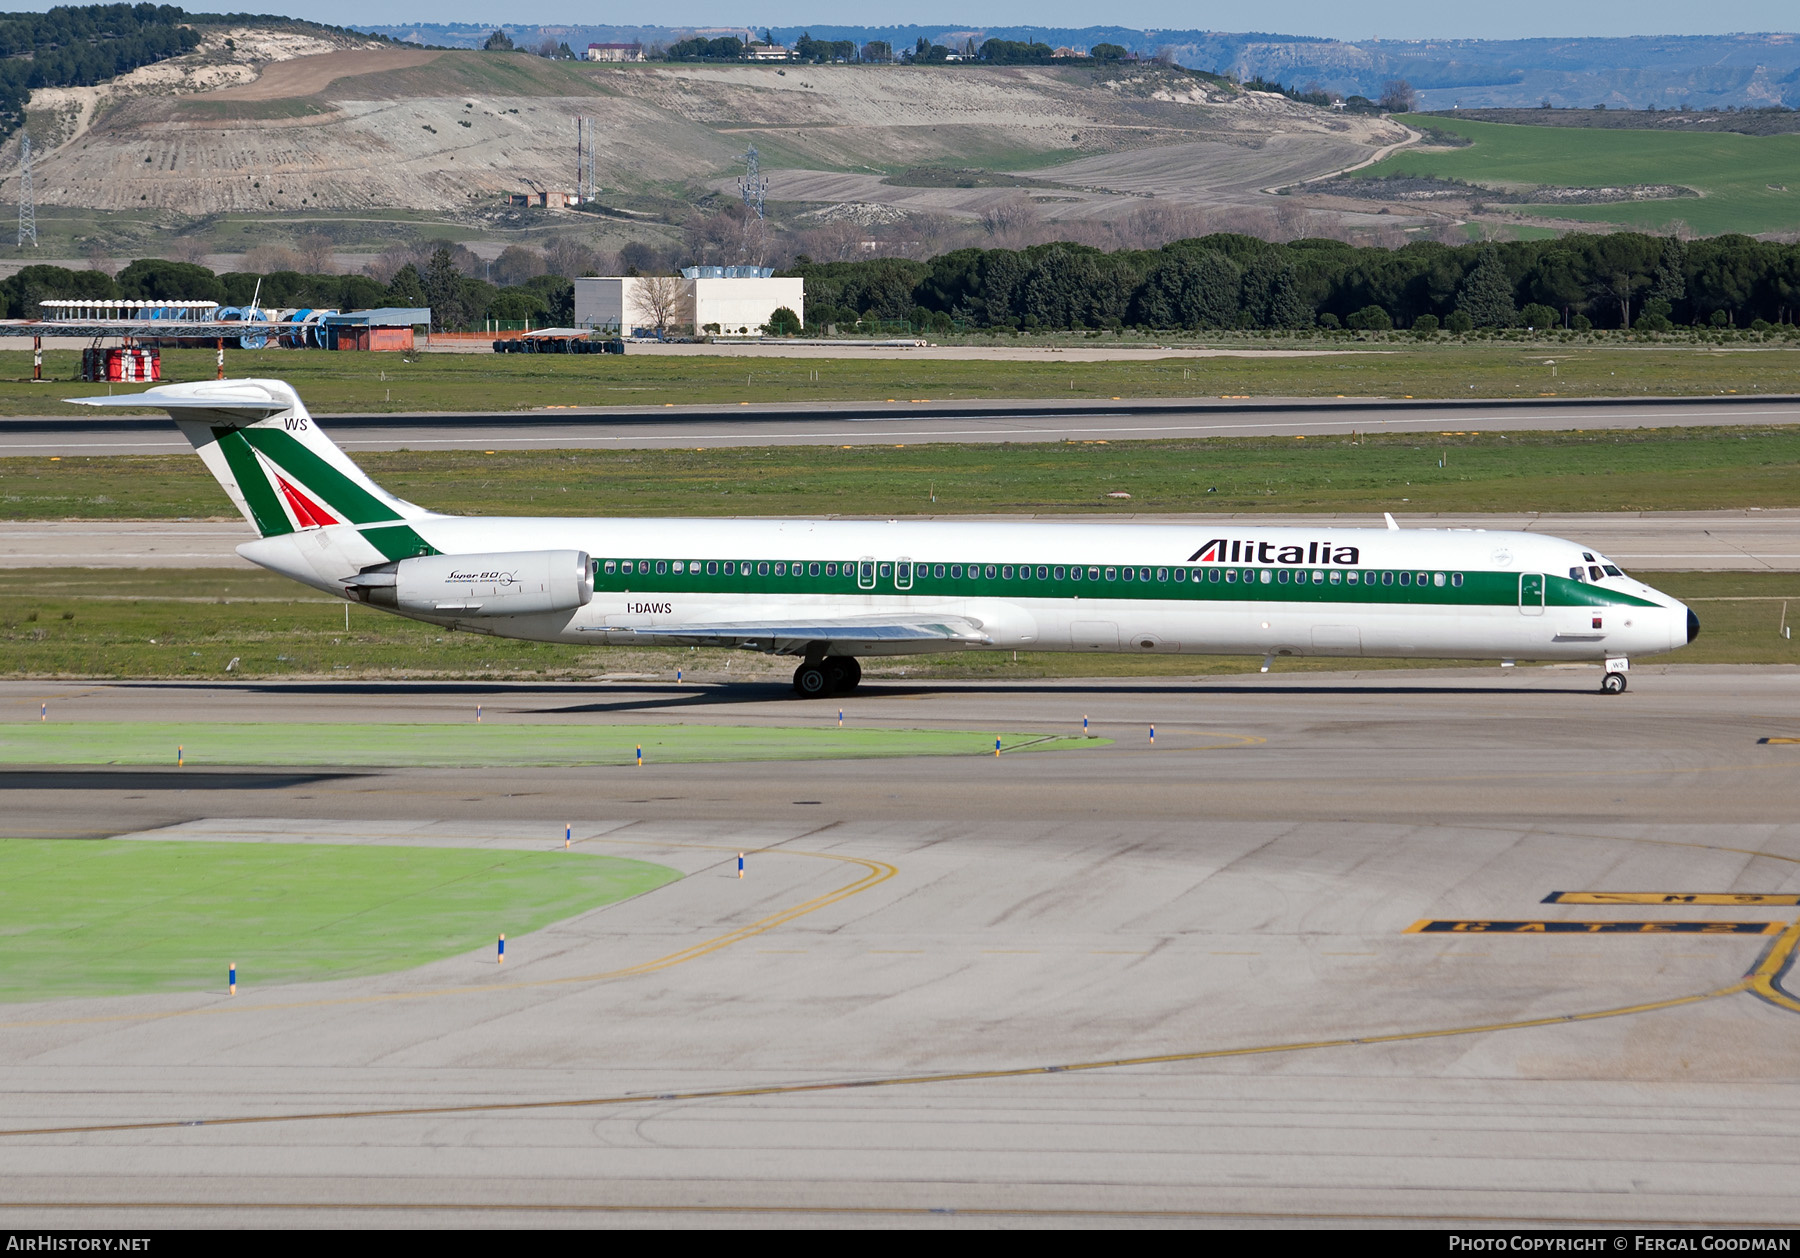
(903, 573)
(1531, 593)
(865, 574)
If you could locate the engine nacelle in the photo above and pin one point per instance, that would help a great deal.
(521, 583)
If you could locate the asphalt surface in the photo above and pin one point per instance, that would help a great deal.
(909, 422)
(1133, 984)
(1745, 540)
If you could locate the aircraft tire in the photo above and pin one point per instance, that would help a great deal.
(811, 681)
(844, 673)
(1612, 684)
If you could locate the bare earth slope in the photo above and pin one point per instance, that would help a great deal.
(364, 126)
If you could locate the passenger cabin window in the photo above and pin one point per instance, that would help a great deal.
(938, 571)
(1406, 578)
(1281, 577)
(1129, 574)
(762, 569)
(1456, 578)
(1387, 578)
(1337, 576)
(612, 566)
(1060, 573)
(956, 572)
(1230, 574)
(887, 569)
(1093, 574)
(1043, 573)
(1181, 574)
(1212, 575)
(1162, 574)
(991, 570)
(1006, 573)
(1350, 577)
(1112, 574)
(1437, 578)
(1265, 578)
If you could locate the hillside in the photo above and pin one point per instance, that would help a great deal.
(1631, 72)
(298, 122)
(1643, 178)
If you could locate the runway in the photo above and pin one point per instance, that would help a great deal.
(1645, 541)
(1134, 984)
(912, 421)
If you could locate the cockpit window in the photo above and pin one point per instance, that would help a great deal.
(1595, 573)
(1578, 573)
(1612, 571)
(1586, 556)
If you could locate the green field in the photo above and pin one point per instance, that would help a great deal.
(1392, 367)
(1747, 183)
(97, 918)
(173, 623)
(1630, 470)
(489, 744)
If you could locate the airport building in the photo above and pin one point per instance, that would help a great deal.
(722, 300)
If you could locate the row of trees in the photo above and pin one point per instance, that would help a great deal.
(1622, 280)
(457, 299)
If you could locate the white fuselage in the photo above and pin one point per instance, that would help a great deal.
(1211, 588)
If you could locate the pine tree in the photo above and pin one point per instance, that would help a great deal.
(1486, 295)
(1670, 284)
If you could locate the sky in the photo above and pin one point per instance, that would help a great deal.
(1390, 19)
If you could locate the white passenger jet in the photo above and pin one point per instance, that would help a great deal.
(828, 591)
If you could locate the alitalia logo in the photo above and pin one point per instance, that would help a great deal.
(1231, 550)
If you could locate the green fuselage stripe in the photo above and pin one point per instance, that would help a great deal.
(398, 541)
(1301, 585)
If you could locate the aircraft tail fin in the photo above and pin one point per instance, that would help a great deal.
(270, 456)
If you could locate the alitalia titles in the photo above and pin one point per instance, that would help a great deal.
(1224, 550)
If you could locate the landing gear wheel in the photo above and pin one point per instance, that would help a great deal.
(811, 680)
(844, 673)
(1612, 684)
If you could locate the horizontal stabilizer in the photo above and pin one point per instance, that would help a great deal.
(261, 396)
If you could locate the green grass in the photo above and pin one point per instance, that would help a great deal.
(1628, 470)
(1393, 368)
(485, 745)
(190, 624)
(84, 918)
(1733, 173)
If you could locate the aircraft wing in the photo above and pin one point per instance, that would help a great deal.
(790, 636)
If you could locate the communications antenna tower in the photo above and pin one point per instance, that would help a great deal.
(27, 199)
(754, 185)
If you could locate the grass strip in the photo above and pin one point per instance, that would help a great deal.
(85, 918)
(389, 383)
(1449, 471)
(486, 745)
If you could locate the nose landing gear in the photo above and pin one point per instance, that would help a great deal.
(1614, 681)
(833, 674)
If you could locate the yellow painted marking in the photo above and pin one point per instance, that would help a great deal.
(1728, 898)
(1479, 927)
(1774, 741)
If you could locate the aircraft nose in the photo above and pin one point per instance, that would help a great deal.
(1693, 625)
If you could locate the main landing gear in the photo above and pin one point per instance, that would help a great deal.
(834, 674)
